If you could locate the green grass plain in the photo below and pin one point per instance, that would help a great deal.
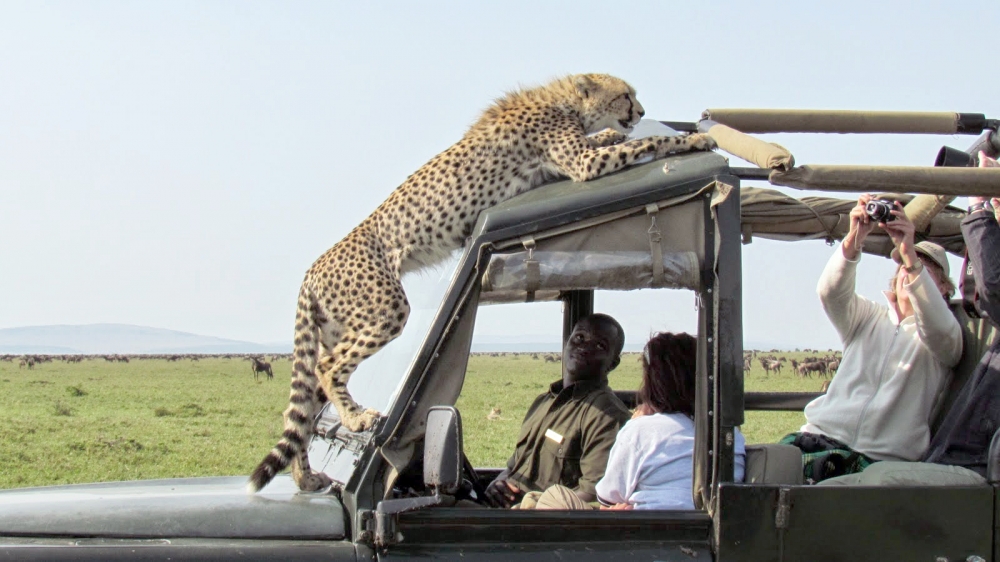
(64, 423)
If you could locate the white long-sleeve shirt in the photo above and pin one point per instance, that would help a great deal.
(650, 465)
(892, 372)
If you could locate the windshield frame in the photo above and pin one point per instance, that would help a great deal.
(393, 446)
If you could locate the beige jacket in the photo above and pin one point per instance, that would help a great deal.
(892, 372)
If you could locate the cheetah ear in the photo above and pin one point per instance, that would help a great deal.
(584, 85)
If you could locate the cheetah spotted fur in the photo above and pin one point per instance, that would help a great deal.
(352, 303)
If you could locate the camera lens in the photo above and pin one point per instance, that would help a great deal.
(880, 210)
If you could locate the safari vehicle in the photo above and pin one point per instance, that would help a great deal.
(675, 224)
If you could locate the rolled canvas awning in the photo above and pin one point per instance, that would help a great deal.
(768, 213)
(729, 128)
(764, 154)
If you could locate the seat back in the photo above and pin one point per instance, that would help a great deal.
(773, 463)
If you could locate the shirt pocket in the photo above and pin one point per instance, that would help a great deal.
(560, 462)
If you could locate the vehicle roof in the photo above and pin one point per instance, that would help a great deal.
(566, 201)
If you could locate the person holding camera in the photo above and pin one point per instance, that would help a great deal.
(897, 356)
(962, 441)
(958, 453)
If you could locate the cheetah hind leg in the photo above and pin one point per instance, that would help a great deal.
(305, 411)
(305, 478)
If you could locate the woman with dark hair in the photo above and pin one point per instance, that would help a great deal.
(650, 465)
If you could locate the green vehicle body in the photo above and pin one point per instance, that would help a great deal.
(419, 440)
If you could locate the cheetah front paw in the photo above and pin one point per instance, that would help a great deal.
(701, 141)
(361, 422)
(607, 137)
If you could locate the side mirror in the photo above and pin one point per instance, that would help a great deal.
(443, 450)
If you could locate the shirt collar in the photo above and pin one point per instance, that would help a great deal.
(578, 389)
(893, 311)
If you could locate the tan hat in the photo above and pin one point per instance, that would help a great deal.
(936, 253)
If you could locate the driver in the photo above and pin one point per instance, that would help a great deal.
(568, 431)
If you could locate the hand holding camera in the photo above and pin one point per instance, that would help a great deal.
(871, 212)
(861, 227)
(880, 210)
(901, 230)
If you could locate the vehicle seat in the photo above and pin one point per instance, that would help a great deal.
(773, 463)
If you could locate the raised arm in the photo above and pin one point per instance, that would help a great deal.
(836, 293)
(982, 241)
(936, 325)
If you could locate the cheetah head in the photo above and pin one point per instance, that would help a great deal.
(608, 103)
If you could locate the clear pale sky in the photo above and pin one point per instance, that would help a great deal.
(181, 164)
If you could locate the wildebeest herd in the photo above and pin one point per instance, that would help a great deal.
(259, 365)
(825, 366)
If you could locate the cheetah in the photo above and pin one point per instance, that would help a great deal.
(351, 303)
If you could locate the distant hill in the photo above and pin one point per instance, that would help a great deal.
(121, 338)
(126, 338)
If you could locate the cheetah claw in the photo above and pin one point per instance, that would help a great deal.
(701, 141)
(361, 422)
(314, 482)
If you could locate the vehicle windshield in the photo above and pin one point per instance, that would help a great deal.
(377, 380)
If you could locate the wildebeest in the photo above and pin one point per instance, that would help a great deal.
(260, 366)
(770, 365)
(806, 369)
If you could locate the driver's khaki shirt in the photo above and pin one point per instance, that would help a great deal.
(566, 437)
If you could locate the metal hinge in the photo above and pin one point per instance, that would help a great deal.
(784, 511)
(367, 525)
(380, 528)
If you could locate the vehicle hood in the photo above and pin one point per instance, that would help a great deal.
(182, 507)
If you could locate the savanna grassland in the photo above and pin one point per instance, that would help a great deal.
(92, 421)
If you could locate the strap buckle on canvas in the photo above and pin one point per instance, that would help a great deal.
(655, 248)
(533, 275)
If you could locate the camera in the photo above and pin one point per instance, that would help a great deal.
(880, 210)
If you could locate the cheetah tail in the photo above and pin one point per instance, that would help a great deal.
(303, 402)
(292, 444)
(273, 463)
